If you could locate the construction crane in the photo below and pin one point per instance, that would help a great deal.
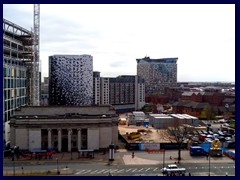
(35, 91)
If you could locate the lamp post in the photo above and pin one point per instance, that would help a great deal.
(57, 167)
(13, 154)
(209, 157)
(163, 151)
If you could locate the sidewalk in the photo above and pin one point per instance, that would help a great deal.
(123, 156)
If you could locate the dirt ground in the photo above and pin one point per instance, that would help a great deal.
(151, 135)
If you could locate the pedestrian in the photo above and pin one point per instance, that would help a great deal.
(189, 174)
(170, 157)
(133, 155)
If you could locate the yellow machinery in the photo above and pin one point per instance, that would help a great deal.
(215, 150)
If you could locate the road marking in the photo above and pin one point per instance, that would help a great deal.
(140, 169)
(120, 170)
(106, 171)
(94, 171)
(101, 171)
(114, 170)
(86, 171)
(129, 170)
(134, 170)
(148, 169)
(79, 172)
(155, 169)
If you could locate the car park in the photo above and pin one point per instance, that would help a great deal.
(210, 132)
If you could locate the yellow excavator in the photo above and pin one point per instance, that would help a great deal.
(215, 149)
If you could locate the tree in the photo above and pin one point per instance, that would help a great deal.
(179, 134)
(207, 113)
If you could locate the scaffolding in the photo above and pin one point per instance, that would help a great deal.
(35, 71)
(25, 49)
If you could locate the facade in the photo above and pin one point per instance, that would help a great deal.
(157, 73)
(125, 93)
(17, 59)
(70, 80)
(136, 118)
(44, 92)
(64, 128)
(163, 121)
(100, 89)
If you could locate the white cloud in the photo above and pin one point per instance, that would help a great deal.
(201, 36)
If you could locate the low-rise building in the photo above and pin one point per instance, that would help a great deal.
(64, 128)
(163, 121)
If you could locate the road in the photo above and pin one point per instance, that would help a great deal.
(100, 169)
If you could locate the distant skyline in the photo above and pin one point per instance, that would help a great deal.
(201, 36)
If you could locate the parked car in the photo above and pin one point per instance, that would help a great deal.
(210, 132)
(226, 124)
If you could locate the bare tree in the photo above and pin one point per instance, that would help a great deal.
(178, 135)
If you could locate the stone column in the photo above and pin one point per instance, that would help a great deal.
(59, 140)
(79, 139)
(69, 140)
(49, 138)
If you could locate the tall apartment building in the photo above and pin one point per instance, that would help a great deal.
(70, 80)
(100, 89)
(157, 73)
(125, 93)
(44, 92)
(17, 59)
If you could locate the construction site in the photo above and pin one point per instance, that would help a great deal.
(22, 76)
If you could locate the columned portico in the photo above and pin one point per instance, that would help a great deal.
(69, 140)
(79, 139)
(49, 138)
(59, 140)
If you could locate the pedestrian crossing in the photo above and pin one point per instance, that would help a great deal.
(116, 171)
(119, 171)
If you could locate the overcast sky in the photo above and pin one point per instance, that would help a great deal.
(201, 36)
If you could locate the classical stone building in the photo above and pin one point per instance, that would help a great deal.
(65, 128)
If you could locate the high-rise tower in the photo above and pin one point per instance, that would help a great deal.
(157, 73)
(70, 80)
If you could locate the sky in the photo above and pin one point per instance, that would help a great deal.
(201, 36)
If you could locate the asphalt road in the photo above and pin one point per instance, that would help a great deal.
(196, 166)
(100, 169)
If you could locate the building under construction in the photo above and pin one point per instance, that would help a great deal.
(21, 73)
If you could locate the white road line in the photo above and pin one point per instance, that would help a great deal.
(79, 172)
(148, 169)
(129, 170)
(106, 171)
(101, 171)
(120, 170)
(155, 169)
(86, 172)
(140, 170)
(114, 170)
(134, 170)
(94, 171)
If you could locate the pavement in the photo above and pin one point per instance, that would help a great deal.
(123, 156)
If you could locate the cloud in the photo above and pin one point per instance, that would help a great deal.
(116, 35)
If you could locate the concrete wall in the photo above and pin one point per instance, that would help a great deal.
(105, 136)
(21, 138)
(53, 110)
(115, 134)
(34, 138)
(93, 138)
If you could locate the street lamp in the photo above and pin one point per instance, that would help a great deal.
(209, 157)
(12, 152)
(57, 167)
